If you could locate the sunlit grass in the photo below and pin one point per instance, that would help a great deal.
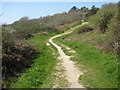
(42, 68)
(100, 69)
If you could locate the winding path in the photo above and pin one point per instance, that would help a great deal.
(72, 73)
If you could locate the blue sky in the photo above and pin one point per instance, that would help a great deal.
(13, 11)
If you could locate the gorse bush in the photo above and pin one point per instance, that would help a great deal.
(103, 17)
(106, 20)
(15, 58)
(16, 55)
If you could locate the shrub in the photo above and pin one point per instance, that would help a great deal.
(103, 17)
(104, 21)
(24, 30)
(15, 58)
(85, 28)
(113, 43)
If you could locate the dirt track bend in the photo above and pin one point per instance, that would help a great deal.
(72, 73)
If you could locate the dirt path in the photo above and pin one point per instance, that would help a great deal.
(72, 73)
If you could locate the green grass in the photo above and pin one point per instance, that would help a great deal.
(42, 71)
(40, 74)
(100, 69)
(43, 66)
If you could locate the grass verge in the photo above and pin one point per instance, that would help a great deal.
(43, 66)
(100, 69)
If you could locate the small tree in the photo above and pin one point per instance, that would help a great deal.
(74, 8)
(94, 9)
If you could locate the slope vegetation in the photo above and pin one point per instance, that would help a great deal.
(97, 48)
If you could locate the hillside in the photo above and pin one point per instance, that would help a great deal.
(35, 52)
(16, 50)
(97, 48)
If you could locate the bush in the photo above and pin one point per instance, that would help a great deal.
(16, 55)
(103, 17)
(15, 58)
(104, 21)
(114, 43)
(24, 30)
(84, 28)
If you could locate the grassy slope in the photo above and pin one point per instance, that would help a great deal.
(41, 72)
(100, 69)
(42, 68)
